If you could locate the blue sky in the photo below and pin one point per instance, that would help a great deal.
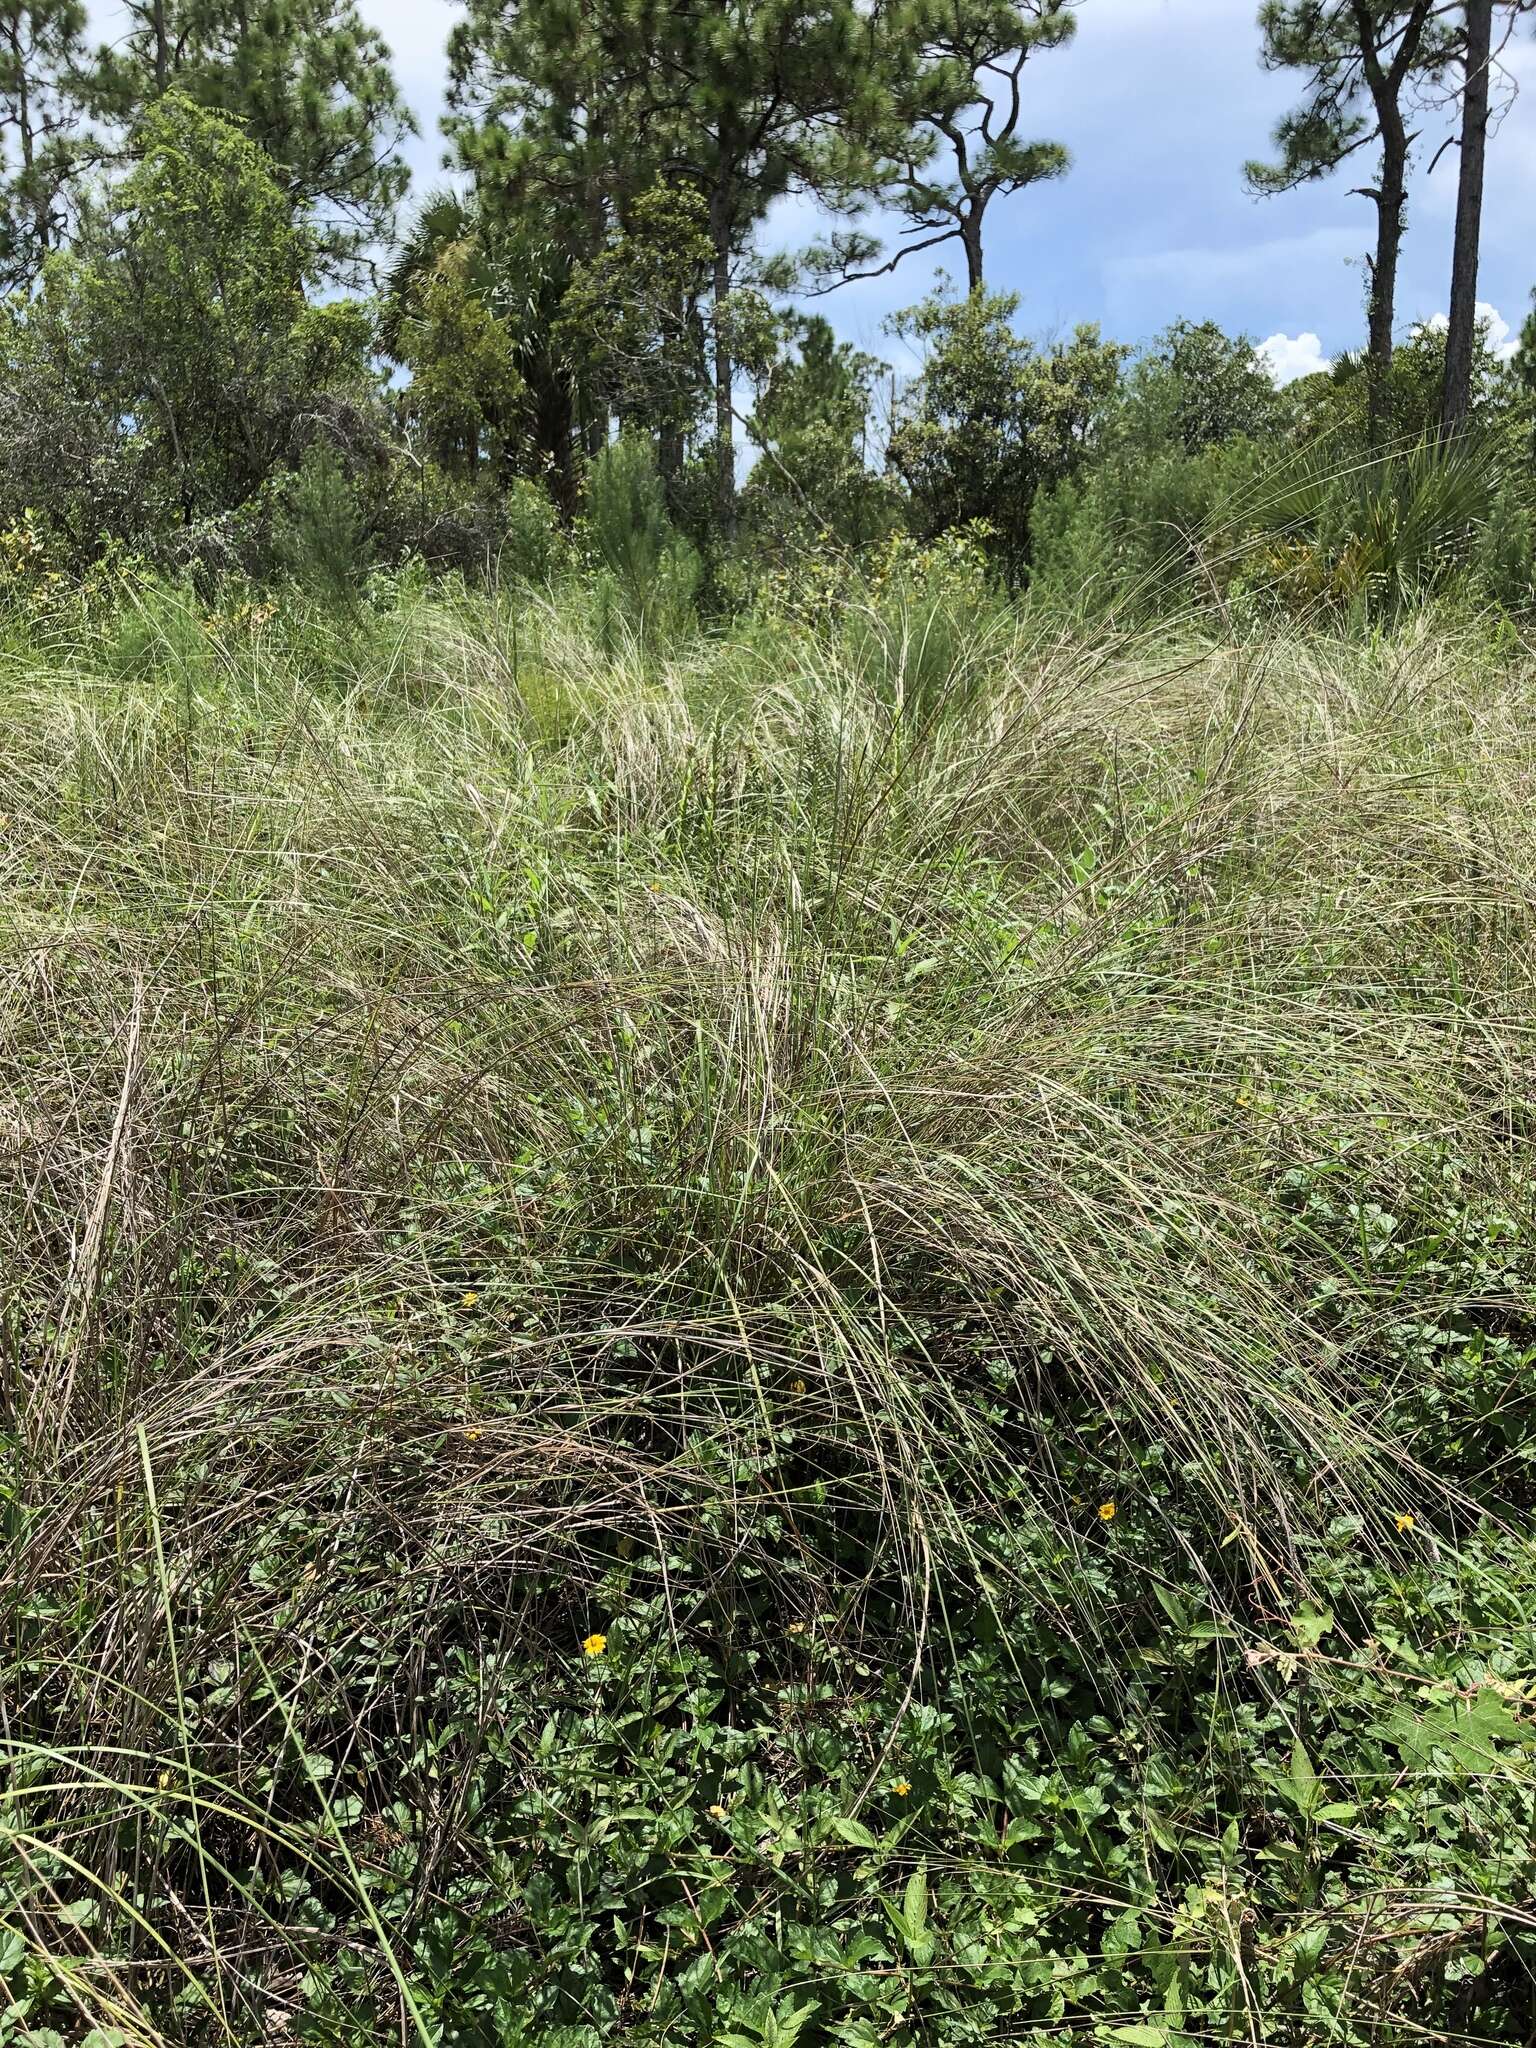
(1160, 102)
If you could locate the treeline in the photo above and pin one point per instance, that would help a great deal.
(219, 354)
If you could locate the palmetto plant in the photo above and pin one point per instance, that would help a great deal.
(517, 276)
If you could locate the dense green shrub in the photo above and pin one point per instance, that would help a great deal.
(648, 574)
(320, 538)
(1149, 530)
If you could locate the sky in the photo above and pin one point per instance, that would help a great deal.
(1160, 102)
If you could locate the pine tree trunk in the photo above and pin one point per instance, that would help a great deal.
(23, 123)
(970, 238)
(1461, 338)
(725, 376)
(162, 49)
(1391, 206)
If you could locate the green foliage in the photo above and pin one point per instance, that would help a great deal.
(1152, 529)
(321, 538)
(472, 305)
(1210, 487)
(1397, 529)
(466, 390)
(630, 322)
(42, 93)
(992, 421)
(178, 308)
(307, 81)
(336, 341)
(649, 572)
(1525, 355)
(1195, 388)
(812, 483)
(1336, 408)
(736, 107)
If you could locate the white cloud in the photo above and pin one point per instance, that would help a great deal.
(1289, 356)
(1497, 332)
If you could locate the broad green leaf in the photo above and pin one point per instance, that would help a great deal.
(914, 1903)
(1310, 1623)
(1122, 1937)
(1304, 1787)
(1171, 1605)
(1306, 1952)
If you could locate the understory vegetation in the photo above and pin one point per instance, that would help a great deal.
(767, 1273)
(821, 1333)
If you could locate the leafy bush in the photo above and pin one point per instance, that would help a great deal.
(1148, 532)
(991, 421)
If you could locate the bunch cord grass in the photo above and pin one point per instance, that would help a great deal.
(455, 1119)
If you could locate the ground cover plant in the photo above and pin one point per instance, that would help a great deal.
(813, 1333)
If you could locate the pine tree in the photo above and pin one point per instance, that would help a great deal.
(309, 82)
(1461, 336)
(535, 116)
(962, 64)
(1363, 60)
(42, 114)
(751, 101)
(740, 101)
(537, 119)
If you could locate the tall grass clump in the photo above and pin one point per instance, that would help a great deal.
(817, 1336)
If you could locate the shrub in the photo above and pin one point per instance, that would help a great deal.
(648, 574)
(320, 539)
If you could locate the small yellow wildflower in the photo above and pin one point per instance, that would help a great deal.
(1107, 1511)
(797, 1386)
(595, 1644)
(717, 1813)
(901, 1788)
(1404, 1525)
(473, 1436)
(796, 1628)
(468, 1300)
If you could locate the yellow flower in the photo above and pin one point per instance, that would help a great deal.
(797, 1386)
(901, 1788)
(1106, 1511)
(1404, 1524)
(796, 1628)
(473, 1436)
(595, 1645)
(469, 1300)
(717, 1813)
